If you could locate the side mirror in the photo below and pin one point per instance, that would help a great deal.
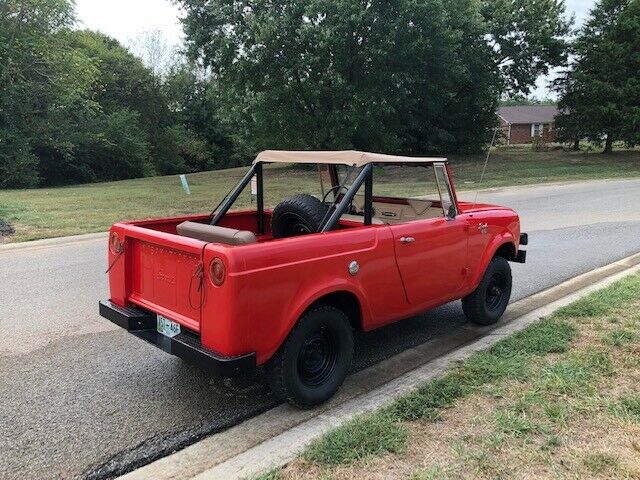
(451, 211)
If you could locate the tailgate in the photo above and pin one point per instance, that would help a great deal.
(163, 274)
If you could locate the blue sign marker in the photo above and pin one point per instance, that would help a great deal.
(185, 184)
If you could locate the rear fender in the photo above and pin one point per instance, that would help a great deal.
(498, 242)
(299, 308)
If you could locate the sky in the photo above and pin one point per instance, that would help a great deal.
(127, 20)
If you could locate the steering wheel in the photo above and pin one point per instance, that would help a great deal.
(337, 187)
(329, 191)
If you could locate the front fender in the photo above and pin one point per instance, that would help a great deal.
(505, 238)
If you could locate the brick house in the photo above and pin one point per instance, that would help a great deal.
(522, 124)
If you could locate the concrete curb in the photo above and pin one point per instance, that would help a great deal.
(279, 435)
(52, 242)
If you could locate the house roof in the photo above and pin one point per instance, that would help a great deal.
(528, 113)
(344, 157)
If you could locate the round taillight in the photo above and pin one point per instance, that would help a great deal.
(115, 244)
(217, 272)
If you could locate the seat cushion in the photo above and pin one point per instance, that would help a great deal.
(215, 234)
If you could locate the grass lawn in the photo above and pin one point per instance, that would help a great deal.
(54, 212)
(560, 399)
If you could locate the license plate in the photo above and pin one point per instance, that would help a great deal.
(167, 327)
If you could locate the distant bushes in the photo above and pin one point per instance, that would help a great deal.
(76, 106)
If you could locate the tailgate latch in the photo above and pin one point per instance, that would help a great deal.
(199, 275)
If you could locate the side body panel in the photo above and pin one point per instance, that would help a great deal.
(281, 279)
(431, 256)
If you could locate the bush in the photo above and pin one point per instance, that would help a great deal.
(18, 165)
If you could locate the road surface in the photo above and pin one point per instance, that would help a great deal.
(80, 396)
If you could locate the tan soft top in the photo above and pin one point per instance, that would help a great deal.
(344, 157)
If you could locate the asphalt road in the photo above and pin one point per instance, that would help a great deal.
(80, 397)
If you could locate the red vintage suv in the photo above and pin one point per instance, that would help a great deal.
(286, 287)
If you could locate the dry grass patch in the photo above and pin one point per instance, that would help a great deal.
(526, 408)
(54, 212)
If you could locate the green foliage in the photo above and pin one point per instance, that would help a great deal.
(33, 77)
(550, 335)
(193, 99)
(527, 38)
(429, 400)
(76, 106)
(358, 439)
(396, 76)
(600, 94)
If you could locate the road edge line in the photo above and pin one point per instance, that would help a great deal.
(52, 242)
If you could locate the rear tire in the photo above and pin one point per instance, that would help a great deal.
(313, 362)
(486, 304)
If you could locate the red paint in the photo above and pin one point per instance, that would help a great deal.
(268, 285)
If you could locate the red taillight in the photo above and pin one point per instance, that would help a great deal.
(217, 272)
(115, 244)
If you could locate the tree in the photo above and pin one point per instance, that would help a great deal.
(193, 100)
(600, 93)
(33, 77)
(394, 75)
(527, 39)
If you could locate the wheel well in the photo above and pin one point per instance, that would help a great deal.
(507, 251)
(347, 302)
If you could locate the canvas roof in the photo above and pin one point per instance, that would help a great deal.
(344, 157)
(524, 114)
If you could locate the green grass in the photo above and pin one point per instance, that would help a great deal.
(627, 407)
(604, 301)
(358, 439)
(515, 423)
(270, 475)
(618, 337)
(558, 389)
(383, 431)
(52, 212)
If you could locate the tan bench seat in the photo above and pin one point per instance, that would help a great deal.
(215, 234)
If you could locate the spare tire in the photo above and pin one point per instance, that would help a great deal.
(297, 215)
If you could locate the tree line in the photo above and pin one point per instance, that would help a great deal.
(399, 76)
(600, 91)
(76, 106)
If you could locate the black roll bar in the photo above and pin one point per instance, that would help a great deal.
(348, 197)
(233, 196)
(365, 176)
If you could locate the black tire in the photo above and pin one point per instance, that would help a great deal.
(313, 362)
(488, 302)
(297, 215)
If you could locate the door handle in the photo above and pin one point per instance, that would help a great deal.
(482, 226)
(407, 239)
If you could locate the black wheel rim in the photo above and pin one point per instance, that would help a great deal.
(495, 291)
(317, 359)
(295, 225)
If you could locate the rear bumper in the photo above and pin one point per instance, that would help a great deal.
(142, 324)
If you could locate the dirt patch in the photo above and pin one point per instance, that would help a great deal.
(6, 228)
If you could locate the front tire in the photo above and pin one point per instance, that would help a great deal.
(486, 304)
(313, 362)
